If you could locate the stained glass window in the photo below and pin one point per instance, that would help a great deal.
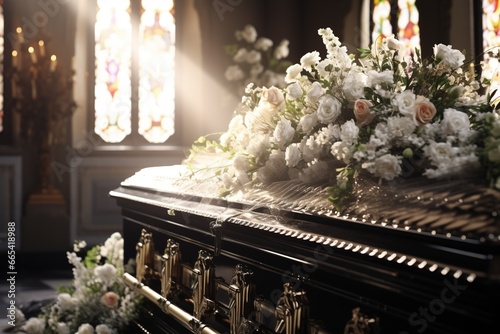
(381, 17)
(113, 53)
(407, 31)
(491, 42)
(408, 28)
(156, 71)
(2, 27)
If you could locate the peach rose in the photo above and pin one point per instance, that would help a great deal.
(424, 111)
(110, 299)
(362, 112)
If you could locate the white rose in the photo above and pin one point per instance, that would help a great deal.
(274, 96)
(448, 56)
(454, 121)
(354, 86)
(386, 167)
(309, 60)
(294, 91)
(284, 132)
(406, 103)
(85, 329)
(377, 78)
(62, 328)
(439, 153)
(34, 326)
(292, 155)
(263, 44)
(315, 92)
(292, 73)
(103, 329)
(282, 50)
(258, 145)
(329, 109)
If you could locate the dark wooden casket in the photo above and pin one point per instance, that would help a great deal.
(413, 257)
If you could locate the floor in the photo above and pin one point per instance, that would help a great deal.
(30, 288)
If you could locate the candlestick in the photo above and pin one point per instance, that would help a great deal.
(31, 50)
(53, 63)
(15, 61)
(42, 48)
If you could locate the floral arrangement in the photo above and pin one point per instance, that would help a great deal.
(256, 60)
(344, 116)
(98, 300)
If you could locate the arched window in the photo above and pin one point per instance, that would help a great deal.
(124, 74)
(2, 30)
(400, 20)
(491, 43)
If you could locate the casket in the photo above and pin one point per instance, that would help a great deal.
(413, 257)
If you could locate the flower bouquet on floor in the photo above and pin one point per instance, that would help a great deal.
(343, 117)
(98, 300)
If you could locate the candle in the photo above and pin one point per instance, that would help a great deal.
(19, 31)
(53, 63)
(31, 50)
(42, 48)
(15, 61)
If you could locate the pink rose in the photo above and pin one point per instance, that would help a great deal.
(424, 111)
(362, 112)
(110, 299)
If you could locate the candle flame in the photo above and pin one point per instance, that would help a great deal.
(19, 30)
(14, 53)
(53, 58)
(41, 43)
(31, 49)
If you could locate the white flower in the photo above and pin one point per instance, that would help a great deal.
(497, 183)
(386, 167)
(263, 44)
(329, 109)
(66, 301)
(377, 78)
(249, 33)
(450, 57)
(293, 73)
(241, 164)
(85, 329)
(454, 122)
(276, 162)
(308, 122)
(105, 273)
(34, 326)
(405, 102)
(282, 50)
(283, 133)
(294, 91)
(62, 328)
(293, 155)
(439, 153)
(253, 57)
(309, 60)
(103, 329)
(265, 174)
(321, 67)
(274, 96)
(315, 92)
(349, 133)
(240, 56)
(234, 73)
(354, 85)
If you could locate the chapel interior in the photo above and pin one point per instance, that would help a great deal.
(80, 165)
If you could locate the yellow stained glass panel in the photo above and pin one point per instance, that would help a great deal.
(156, 71)
(113, 41)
